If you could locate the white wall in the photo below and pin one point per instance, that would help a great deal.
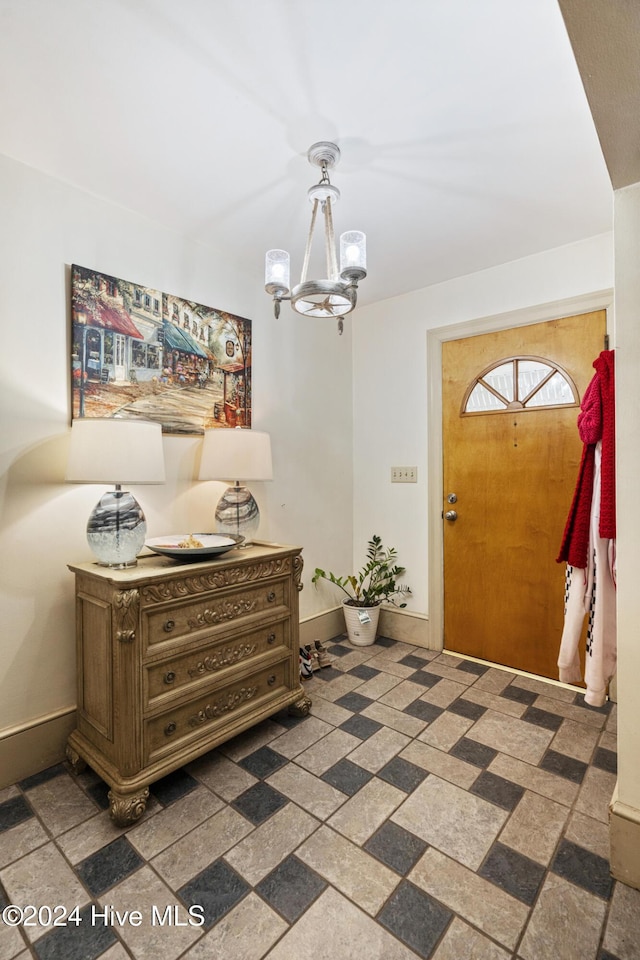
(627, 304)
(301, 395)
(391, 389)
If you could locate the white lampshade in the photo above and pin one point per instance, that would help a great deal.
(113, 450)
(116, 451)
(236, 454)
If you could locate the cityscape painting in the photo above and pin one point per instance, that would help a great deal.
(140, 353)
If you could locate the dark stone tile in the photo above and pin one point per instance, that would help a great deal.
(470, 666)
(346, 776)
(287, 720)
(467, 708)
(259, 802)
(605, 955)
(82, 941)
(385, 642)
(354, 702)
(497, 790)
(339, 650)
(518, 875)
(361, 727)
(99, 793)
(542, 718)
(584, 868)
(402, 774)
(396, 847)
(363, 672)
(424, 678)
(473, 752)
(4, 899)
(519, 694)
(412, 661)
(108, 866)
(423, 710)
(13, 812)
(291, 888)
(605, 760)
(580, 701)
(43, 776)
(415, 918)
(172, 787)
(328, 673)
(217, 890)
(563, 766)
(263, 762)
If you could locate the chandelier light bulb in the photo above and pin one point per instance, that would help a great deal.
(353, 255)
(276, 273)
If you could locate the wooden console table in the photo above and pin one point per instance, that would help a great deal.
(175, 658)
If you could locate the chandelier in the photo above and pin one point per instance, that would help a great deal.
(337, 295)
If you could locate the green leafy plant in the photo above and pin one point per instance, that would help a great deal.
(375, 583)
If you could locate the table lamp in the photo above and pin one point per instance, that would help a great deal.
(236, 454)
(115, 450)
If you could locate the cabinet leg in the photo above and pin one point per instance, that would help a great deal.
(76, 762)
(301, 707)
(127, 808)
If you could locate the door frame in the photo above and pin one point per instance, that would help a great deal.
(598, 300)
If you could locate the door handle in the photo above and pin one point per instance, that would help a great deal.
(451, 515)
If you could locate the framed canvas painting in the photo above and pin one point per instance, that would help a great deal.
(141, 353)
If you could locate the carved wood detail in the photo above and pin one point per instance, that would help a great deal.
(76, 762)
(228, 610)
(298, 564)
(126, 605)
(301, 707)
(124, 810)
(222, 659)
(230, 702)
(190, 586)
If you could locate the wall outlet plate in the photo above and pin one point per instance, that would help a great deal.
(404, 474)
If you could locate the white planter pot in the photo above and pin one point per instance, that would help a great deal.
(362, 624)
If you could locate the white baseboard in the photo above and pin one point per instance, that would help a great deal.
(34, 746)
(396, 624)
(323, 627)
(624, 837)
(406, 626)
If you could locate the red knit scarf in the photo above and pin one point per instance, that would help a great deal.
(596, 421)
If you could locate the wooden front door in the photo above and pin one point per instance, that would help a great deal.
(511, 453)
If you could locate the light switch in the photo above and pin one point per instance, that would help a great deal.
(404, 474)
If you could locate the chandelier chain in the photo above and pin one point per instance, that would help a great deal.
(330, 242)
(307, 250)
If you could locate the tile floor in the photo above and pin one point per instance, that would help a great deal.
(428, 807)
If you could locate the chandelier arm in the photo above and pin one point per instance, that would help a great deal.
(307, 251)
(330, 242)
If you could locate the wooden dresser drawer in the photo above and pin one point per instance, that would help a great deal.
(208, 715)
(227, 607)
(164, 677)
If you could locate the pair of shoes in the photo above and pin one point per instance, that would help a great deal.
(306, 666)
(323, 658)
(313, 657)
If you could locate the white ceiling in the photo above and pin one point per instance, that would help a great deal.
(465, 133)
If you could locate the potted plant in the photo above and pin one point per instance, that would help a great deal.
(376, 583)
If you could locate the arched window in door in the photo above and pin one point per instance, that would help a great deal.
(520, 383)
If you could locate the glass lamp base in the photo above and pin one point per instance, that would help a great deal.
(237, 513)
(117, 529)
